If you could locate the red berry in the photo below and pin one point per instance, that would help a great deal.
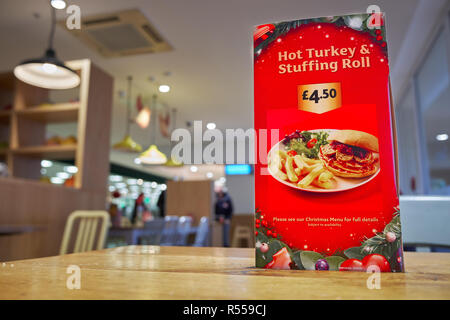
(351, 265)
(274, 234)
(383, 44)
(378, 32)
(379, 38)
(376, 260)
(269, 233)
(257, 221)
(264, 223)
(290, 244)
(257, 226)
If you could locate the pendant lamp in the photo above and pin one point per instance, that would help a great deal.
(173, 161)
(127, 144)
(47, 71)
(152, 156)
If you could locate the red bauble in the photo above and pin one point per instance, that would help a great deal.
(351, 265)
(264, 247)
(376, 260)
(281, 260)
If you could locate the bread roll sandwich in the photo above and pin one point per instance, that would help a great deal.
(350, 153)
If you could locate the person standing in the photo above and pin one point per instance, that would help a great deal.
(224, 212)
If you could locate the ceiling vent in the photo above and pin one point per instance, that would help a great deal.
(120, 34)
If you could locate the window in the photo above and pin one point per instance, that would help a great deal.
(423, 121)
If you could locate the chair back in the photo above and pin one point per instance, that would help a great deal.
(92, 225)
(183, 230)
(202, 236)
(169, 236)
(152, 232)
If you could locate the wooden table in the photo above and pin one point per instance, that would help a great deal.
(151, 272)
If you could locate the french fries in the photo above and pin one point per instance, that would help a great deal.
(324, 185)
(290, 170)
(310, 161)
(325, 176)
(309, 178)
(300, 170)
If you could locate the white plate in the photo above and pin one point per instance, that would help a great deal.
(341, 184)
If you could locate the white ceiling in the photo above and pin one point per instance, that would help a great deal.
(211, 64)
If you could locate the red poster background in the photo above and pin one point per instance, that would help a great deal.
(365, 107)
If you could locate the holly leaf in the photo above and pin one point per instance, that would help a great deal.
(334, 262)
(309, 259)
(354, 253)
(261, 237)
(297, 260)
(262, 259)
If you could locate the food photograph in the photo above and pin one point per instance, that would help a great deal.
(325, 160)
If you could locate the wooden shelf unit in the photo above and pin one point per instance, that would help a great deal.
(26, 200)
(31, 114)
(62, 112)
(55, 152)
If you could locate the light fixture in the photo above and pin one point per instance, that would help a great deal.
(121, 185)
(58, 4)
(442, 137)
(127, 144)
(46, 163)
(163, 187)
(143, 118)
(63, 175)
(152, 156)
(164, 88)
(56, 180)
(47, 71)
(71, 169)
(194, 169)
(209, 175)
(132, 181)
(211, 126)
(115, 178)
(173, 161)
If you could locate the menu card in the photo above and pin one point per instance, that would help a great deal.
(326, 192)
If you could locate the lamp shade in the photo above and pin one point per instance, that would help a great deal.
(152, 156)
(127, 144)
(47, 72)
(173, 162)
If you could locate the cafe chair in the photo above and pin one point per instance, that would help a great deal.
(152, 232)
(242, 233)
(169, 235)
(202, 236)
(92, 225)
(183, 230)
